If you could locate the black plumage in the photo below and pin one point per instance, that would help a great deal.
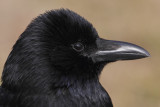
(56, 62)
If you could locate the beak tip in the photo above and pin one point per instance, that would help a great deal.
(147, 54)
(142, 53)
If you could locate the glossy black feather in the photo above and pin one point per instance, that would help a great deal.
(43, 70)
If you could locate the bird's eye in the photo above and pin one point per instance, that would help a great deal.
(78, 47)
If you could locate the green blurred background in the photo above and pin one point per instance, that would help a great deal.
(129, 83)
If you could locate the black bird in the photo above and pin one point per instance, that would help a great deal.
(56, 62)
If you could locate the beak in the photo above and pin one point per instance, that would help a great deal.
(109, 51)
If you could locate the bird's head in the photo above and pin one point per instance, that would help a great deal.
(62, 44)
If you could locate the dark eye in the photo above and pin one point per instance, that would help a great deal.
(78, 47)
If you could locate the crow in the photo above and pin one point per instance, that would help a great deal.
(56, 62)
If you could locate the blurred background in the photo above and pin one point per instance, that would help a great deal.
(130, 83)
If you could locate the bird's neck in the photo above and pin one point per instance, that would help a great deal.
(78, 93)
(90, 91)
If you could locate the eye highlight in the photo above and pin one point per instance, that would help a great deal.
(78, 46)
